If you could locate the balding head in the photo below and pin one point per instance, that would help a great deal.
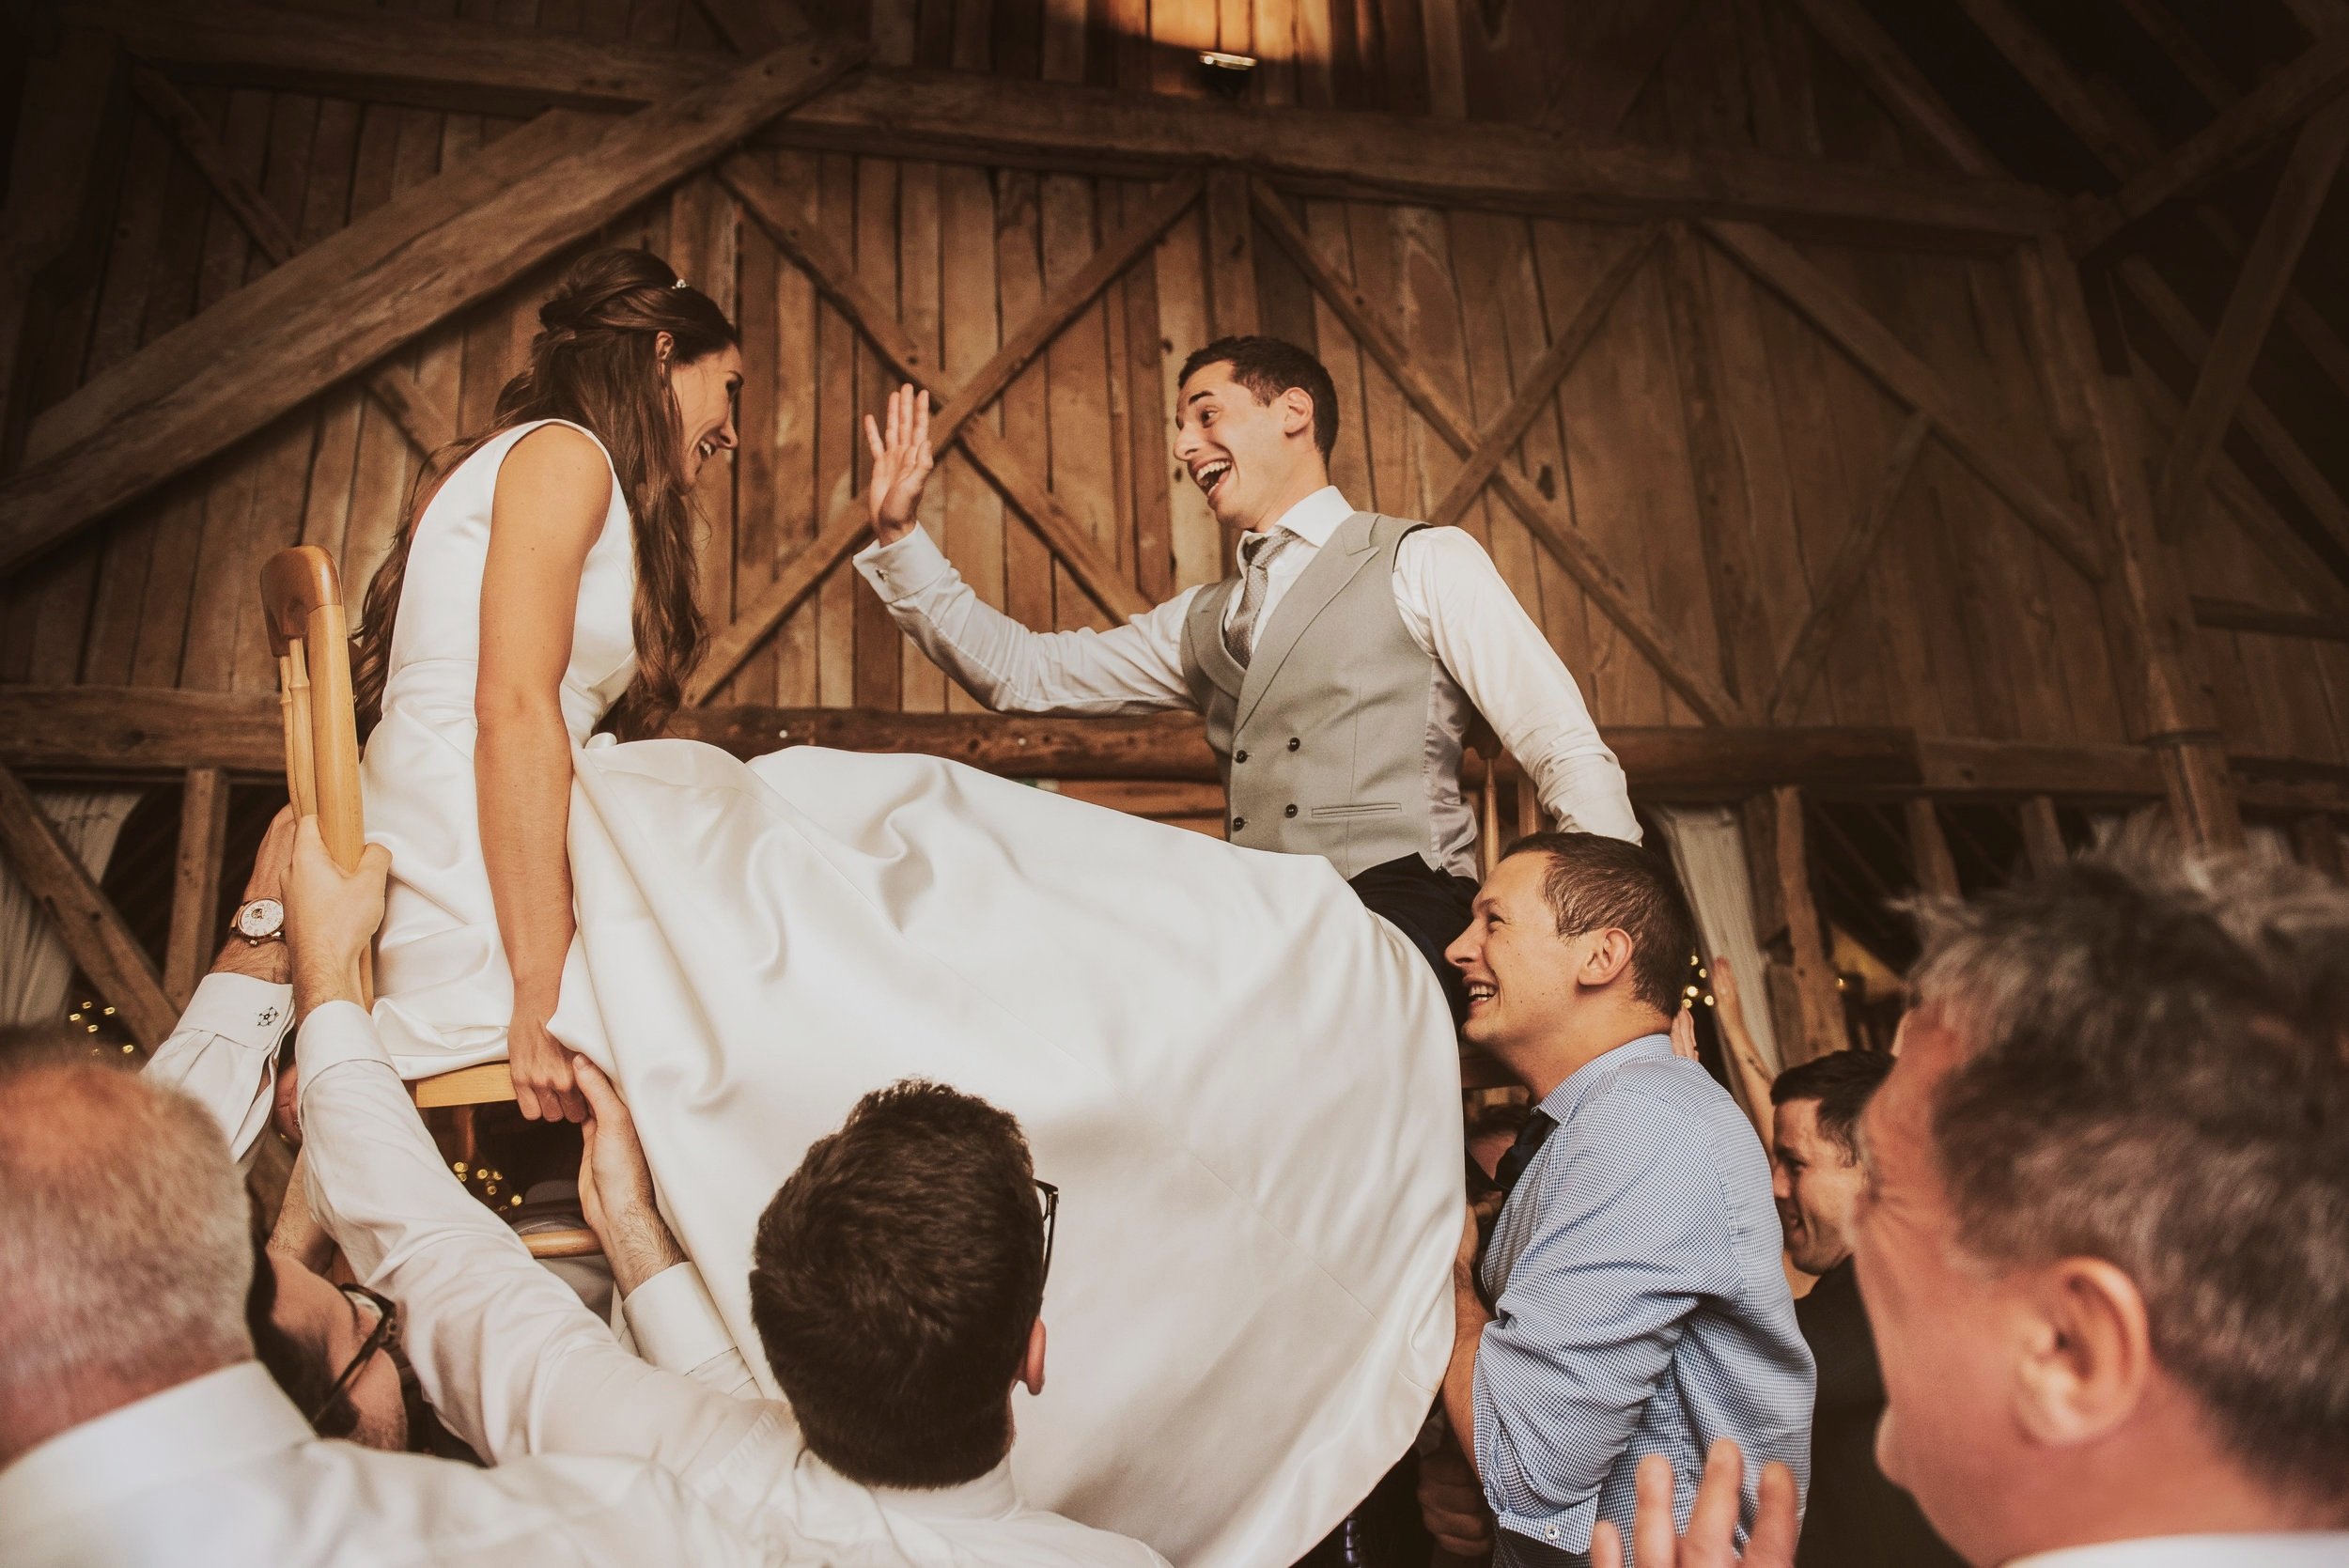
(124, 1253)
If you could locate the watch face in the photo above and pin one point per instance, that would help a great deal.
(264, 917)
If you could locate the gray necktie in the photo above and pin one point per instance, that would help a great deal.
(1256, 556)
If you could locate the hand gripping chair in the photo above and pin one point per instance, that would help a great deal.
(310, 634)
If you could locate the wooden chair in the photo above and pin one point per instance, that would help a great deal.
(310, 633)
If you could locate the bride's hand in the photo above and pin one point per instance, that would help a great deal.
(901, 463)
(545, 1087)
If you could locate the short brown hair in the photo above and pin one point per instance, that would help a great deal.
(1597, 883)
(2155, 1076)
(1268, 366)
(1842, 1082)
(894, 1281)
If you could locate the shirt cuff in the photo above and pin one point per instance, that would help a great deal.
(675, 1323)
(337, 1033)
(900, 570)
(240, 1008)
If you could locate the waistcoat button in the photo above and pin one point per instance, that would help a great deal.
(1288, 810)
(1237, 823)
(1294, 743)
(1239, 756)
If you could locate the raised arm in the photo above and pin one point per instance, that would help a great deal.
(1483, 635)
(1134, 668)
(553, 493)
(505, 1352)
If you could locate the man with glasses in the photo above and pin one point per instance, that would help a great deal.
(896, 1282)
(137, 1427)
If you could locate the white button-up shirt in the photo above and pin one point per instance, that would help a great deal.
(2295, 1549)
(223, 1470)
(1454, 603)
(516, 1366)
(225, 1053)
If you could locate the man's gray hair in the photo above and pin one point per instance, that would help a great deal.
(2158, 1075)
(125, 1248)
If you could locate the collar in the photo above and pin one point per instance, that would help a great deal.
(1314, 518)
(1560, 1103)
(2282, 1550)
(993, 1495)
(204, 1425)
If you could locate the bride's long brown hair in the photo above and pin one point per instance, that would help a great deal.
(594, 364)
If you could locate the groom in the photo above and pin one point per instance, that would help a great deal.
(1337, 669)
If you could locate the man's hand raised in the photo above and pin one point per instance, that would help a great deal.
(901, 463)
(1711, 1539)
(331, 916)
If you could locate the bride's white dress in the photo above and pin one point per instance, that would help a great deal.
(1243, 1082)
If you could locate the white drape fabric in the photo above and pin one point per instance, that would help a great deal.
(1708, 851)
(1245, 1085)
(33, 963)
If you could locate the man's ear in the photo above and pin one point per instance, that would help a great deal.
(2086, 1351)
(1607, 955)
(1296, 411)
(1032, 1364)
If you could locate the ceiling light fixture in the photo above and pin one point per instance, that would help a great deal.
(1225, 75)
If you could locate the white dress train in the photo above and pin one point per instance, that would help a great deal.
(1243, 1082)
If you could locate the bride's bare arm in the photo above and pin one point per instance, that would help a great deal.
(552, 496)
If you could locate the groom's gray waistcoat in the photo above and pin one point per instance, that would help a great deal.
(1324, 738)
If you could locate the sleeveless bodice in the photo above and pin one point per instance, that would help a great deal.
(436, 647)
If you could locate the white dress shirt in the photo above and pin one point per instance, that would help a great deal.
(2295, 1549)
(223, 1470)
(225, 1053)
(516, 1366)
(1454, 603)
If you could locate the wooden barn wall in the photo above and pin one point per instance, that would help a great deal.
(1965, 623)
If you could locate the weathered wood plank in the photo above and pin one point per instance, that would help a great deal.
(1908, 378)
(1929, 849)
(1231, 256)
(1803, 990)
(335, 322)
(2236, 615)
(1851, 32)
(91, 930)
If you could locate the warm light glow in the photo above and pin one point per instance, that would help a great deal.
(1223, 61)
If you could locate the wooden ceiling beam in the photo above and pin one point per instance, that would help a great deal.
(2227, 615)
(1851, 32)
(420, 414)
(335, 323)
(2301, 89)
(2225, 374)
(973, 117)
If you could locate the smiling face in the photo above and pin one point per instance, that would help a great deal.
(1520, 974)
(1816, 1186)
(706, 389)
(331, 1325)
(1252, 460)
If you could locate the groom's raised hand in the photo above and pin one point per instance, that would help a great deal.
(901, 463)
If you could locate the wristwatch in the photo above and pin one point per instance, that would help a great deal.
(260, 920)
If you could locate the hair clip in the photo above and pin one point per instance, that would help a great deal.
(681, 284)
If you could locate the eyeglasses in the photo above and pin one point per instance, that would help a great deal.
(1050, 1197)
(386, 1324)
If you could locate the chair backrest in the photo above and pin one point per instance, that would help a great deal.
(303, 604)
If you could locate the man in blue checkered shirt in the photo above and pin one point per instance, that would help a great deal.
(1637, 1301)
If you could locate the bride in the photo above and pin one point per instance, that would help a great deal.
(1241, 1082)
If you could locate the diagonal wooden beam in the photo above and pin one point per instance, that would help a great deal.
(757, 27)
(422, 416)
(1603, 80)
(1543, 517)
(2227, 615)
(2185, 50)
(1853, 33)
(195, 885)
(92, 931)
(836, 277)
(2301, 89)
(2226, 371)
(1871, 344)
(1540, 380)
(338, 324)
(1845, 574)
